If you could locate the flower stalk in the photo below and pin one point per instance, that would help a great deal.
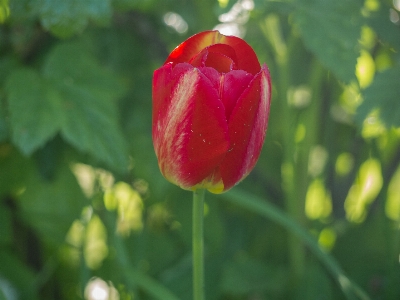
(198, 244)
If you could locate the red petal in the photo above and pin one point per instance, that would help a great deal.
(247, 127)
(233, 85)
(199, 60)
(246, 58)
(220, 57)
(212, 75)
(225, 50)
(220, 62)
(161, 89)
(163, 79)
(190, 133)
(193, 45)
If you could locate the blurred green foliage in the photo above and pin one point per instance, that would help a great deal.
(84, 211)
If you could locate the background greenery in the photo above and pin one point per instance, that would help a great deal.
(84, 211)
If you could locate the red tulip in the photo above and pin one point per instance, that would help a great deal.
(211, 102)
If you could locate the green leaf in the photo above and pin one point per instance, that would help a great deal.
(88, 93)
(66, 18)
(387, 31)
(382, 94)
(51, 206)
(75, 96)
(71, 66)
(331, 30)
(35, 110)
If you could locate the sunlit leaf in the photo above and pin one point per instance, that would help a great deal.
(4, 10)
(327, 238)
(96, 249)
(365, 69)
(344, 163)
(364, 190)
(392, 205)
(318, 201)
(129, 205)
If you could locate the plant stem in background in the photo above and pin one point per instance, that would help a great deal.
(198, 244)
(294, 200)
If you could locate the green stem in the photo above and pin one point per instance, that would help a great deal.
(198, 244)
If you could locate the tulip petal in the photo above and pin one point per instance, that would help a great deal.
(163, 81)
(212, 75)
(219, 56)
(230, 86)
(199, 60)
(220, 62)
(246, 57)
(224, 50)
(233, 84)
(161, 89)
(190, 132)
(217, 61)
(247, 127)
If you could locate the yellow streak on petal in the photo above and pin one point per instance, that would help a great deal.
(170, 150)
(262, 109)
(211, 38)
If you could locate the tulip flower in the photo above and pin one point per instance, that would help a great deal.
(211, 102)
